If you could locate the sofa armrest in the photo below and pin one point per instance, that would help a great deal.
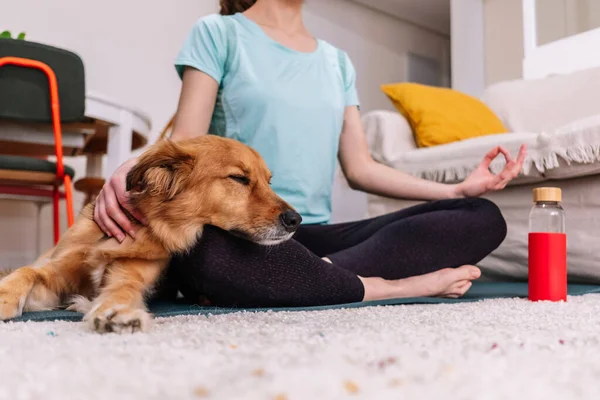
(388, 135)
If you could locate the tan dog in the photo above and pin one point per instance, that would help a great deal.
(179, 187)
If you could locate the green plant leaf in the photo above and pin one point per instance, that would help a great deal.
(21, 36)
(5, 34)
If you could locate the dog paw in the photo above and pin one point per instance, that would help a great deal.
(119, 319)
(11, 301)
(79, 304)
(10, 306)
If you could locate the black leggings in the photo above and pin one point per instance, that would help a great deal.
(229, 271)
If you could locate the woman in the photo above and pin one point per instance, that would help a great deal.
(255, 73)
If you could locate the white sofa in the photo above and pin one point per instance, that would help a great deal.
(559, 118)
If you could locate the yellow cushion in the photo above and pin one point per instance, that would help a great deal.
(440, 115)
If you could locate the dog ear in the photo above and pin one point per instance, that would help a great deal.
(162, 170)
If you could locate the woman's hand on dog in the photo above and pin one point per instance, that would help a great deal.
(108, 212)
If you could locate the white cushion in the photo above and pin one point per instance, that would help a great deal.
(542, 105)
(388, 132)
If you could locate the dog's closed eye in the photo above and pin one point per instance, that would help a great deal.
(244, 180)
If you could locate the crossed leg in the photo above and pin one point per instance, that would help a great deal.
(427, 250)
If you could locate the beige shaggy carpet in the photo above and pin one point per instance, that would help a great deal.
(494, 349)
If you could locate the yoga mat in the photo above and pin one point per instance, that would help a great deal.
(479, 291)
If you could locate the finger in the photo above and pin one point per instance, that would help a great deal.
(510, 171)
(504, 179)
(512, 168)
(109, 223)
(501, 185)
(113, 210)
(116, 230)
(97, 218)
(124, 200)
(501, 180)
(495, 182)
(489, 157)
(515, 167)
(505, 153)
(137, 214)
(516, 170)
(522, 154)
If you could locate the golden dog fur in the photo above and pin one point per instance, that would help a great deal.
(179, 187)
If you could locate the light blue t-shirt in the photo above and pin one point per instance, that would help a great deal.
(287, 105)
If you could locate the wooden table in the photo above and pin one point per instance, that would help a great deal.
(109, 128)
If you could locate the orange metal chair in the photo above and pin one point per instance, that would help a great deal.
(31, 183)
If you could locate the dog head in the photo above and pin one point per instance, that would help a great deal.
(181, 186)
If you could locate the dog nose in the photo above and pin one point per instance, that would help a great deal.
(290, 220)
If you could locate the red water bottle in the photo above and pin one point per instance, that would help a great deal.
(547, 247)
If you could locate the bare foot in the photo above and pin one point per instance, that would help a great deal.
(448, 282)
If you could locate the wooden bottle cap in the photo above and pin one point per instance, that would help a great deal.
(547, 194)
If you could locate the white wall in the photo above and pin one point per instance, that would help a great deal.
(487, 43)
(562, 18)
(503, 20)
(591, 14)
(468, 53)
(128, 48)
(503, 43)
(377, 44)
(553, 20)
